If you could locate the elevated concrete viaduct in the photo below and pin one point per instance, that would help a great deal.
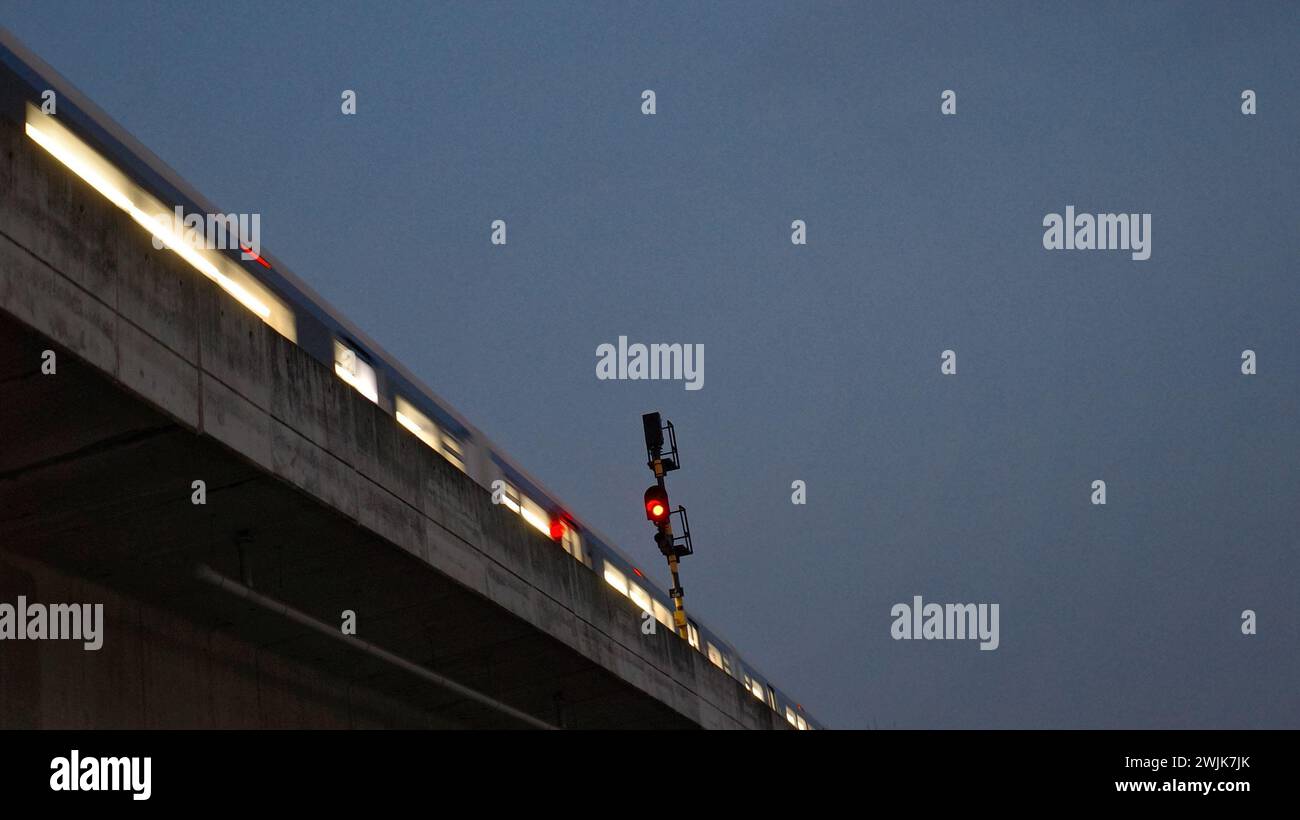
(315, 499)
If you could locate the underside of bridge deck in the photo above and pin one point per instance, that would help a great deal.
(97, 506)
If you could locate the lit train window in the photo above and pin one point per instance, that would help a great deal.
(531, 511)
(534, 514)
(803, 724)
(757, 689)
(150, 213)
(615, 578)
(726, 666)
(431, 434)
(692, 635)
(641, 598)
(715, 657)
(452, 450)
(352, 369)
(572, 543)
(509, 496)
(789, 715)
(417, 423)
(771, 698)
(664, 616)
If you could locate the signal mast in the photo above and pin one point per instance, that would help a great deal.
(660, 513)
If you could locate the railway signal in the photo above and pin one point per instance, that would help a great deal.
(656, 504)
(660, 512)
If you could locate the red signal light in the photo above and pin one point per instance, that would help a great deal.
(558, 529)
(656, 504)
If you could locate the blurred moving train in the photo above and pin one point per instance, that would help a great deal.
(90, 144)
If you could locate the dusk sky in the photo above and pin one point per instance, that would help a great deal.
(822, 361)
